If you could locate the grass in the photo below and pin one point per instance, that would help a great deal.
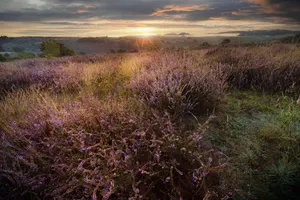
(159, 125)
(260, 133)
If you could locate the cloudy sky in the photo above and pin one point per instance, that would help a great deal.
(80, 18)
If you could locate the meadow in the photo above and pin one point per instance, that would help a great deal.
(218, 123)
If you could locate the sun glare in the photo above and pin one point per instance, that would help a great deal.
(144, 31)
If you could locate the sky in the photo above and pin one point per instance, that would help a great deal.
(115, 18)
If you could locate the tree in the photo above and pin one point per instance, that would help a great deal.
(225, 41)
(205, 44)
(66, 51)
(2, 58)
(53, 48)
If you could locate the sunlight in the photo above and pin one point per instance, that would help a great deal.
(144, 31)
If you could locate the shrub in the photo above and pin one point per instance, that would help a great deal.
(89, 149)
(225, 41)
(205, 44)
(121, 51)
(25, 55)
(270, 69)
(178, 83)
(2, 58)
(53, 48)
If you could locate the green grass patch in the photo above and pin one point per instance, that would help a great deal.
(260, 134)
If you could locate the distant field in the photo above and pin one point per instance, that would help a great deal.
(218, 123)
(105, 44)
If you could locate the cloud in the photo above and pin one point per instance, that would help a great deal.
(189, 10)
(280, 8)
(191, 14)
(178, 8)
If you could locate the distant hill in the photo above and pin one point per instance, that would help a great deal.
(291, 39)
(263, 33)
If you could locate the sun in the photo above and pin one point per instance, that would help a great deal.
(145, 31)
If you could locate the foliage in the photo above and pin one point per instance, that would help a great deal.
(225, 41)
(291, 39)
(92, 149)
(261, 134)
(121, 51)
(205, 44)
(25, 55)
(18, 49)
(270, 69)
(2, 58)
(53, 48)
(166, 85)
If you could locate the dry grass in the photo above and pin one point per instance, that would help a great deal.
(114, 126)
(269, 69)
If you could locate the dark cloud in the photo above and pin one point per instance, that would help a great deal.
(277, 11)
(289, 9)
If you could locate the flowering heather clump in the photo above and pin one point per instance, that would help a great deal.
(94, 150)
(270, 69)
(58, 75)
(178, 83)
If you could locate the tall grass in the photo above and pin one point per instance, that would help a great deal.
(270, 69)
(90, 149)
(179, 83)
(115, 126)
(83, 134)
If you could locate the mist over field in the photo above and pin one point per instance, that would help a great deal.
(146, 99)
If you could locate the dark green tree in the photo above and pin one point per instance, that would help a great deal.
(53, 48)
(2, 58)
(226, 41)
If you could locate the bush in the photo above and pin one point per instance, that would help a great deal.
(121, 51)
(25, 55)
(270, 69)
(205, 44)
(52, 48)
(225, 41)
(94, 150)
(178, 83)
(2, 58)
